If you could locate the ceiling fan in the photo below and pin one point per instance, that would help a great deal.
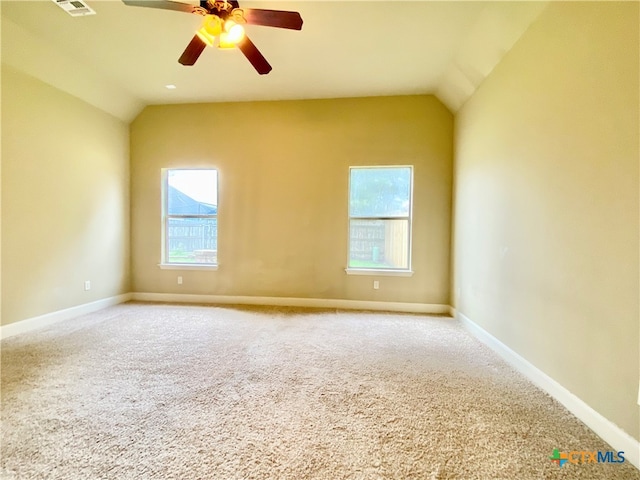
(222, 23)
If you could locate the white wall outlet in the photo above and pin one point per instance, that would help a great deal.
(87, 285)
(179, 280)
(376, 284)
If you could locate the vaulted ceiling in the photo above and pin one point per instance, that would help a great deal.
(122, 58)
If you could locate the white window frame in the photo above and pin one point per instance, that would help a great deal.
(164, 261)
(397, 272)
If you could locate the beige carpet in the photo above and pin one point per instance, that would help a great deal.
(152, 391)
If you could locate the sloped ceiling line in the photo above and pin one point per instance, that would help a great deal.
(444, 48)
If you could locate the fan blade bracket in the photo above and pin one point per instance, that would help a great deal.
(237, 16)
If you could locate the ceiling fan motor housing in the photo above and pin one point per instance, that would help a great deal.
(220, 8)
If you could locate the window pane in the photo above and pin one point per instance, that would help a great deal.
(192, 240)
(380, 192)
(192, 192)
(379, 244)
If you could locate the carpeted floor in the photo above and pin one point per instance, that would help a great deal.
(153, 391)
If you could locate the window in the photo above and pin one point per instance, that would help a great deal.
(190, 217)
(380, 218)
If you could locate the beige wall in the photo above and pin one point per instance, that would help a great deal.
(65, 200)
(283, 174)
(546, 203)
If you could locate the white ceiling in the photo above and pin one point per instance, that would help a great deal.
(121, 58)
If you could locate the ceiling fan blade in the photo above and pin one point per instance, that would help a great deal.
(162, 4)
(273, 18)
(252, 53)
(192, 52)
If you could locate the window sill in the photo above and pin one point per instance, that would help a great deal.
(379, 272)
(187, 266)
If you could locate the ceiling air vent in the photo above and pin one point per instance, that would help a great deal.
(75, 8)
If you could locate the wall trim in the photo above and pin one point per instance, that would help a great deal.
(603, 427)
(30, 324)
(293, 302)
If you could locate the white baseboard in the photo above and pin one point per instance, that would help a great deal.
(34, 323)
(293, 302)
(604, 428)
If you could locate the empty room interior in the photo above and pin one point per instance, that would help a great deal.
(319, 330)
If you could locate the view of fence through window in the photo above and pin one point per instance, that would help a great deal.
(379, 217)
(191, 220)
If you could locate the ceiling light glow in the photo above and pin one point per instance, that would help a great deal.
(235, 31)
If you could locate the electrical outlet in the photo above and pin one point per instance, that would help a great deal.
(87, 285)
(179, 280)
(376, 284)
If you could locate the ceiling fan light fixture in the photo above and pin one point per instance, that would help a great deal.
(224, 43)
(235, 31)
(211, 28)
(222, 25)
(205, 37)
